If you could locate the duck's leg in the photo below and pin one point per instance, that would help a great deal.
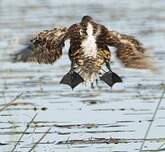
(72, 78)
(110, 77)
(97, 84)
(92, 85)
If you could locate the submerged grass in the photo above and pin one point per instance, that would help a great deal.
(11, 102)
(152, 120)
(42, 137)
(23, 133)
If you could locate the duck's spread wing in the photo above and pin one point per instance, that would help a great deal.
(45, 47)
(129, 50)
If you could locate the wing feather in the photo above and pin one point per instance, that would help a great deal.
(45, 47)
(129, 50)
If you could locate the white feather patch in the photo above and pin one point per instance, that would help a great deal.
(89, 44)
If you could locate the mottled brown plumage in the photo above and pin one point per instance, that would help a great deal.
(88, 51)
(46, 47)
(129, 50)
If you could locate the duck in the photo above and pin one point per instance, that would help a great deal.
(88, 52)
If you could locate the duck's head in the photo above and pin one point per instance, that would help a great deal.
(86, 19)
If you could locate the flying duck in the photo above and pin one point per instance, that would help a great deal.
(88, 51)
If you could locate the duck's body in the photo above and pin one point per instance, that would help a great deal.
(88, 51)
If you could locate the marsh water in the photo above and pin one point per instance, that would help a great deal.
(85, 119)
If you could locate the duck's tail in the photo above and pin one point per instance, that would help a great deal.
(89, 70)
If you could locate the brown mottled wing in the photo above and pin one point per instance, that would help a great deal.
(46, 47)
(129, 50)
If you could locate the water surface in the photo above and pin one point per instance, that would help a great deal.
(83, 120)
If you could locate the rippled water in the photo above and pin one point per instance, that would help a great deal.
(83, 120)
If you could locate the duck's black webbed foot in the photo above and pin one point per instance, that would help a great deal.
(72, 79)
(110, 78)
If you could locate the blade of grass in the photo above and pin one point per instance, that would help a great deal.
(161, 146)
(23, 133)
(151, 122)
(8, 104)
(35, 144)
